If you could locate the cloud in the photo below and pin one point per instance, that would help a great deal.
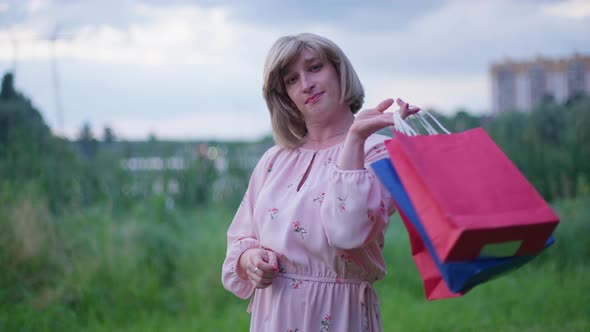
(198, 125)
(576, 9)
(464, 37)
(459, 37)
(349, 16)
(176, 35)
(470, 93)
(177, 62)
(36, 5)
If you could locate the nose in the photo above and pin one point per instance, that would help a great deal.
(307, 83)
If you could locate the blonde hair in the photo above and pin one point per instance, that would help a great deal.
(288, 124)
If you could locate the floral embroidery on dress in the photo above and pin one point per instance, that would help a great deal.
(295, 283)
(325, 323)
(273, 213)
(298, 228)
(365, 319)
(328, 161)
(320, 198)
(371, 215)
(282, 269)
(365, 325)
(269, 169)
(342, 203)
(379, 149)
(346, 259)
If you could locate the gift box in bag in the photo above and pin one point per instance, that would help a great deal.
(471, 199)
(441, 280)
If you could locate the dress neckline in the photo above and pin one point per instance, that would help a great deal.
(337, 145)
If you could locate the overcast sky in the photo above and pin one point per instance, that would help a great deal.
(193, 69)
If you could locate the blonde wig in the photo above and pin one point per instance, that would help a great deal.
(288, 124)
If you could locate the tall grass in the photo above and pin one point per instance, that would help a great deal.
(546, 295)
(96, 270)
(152, 269)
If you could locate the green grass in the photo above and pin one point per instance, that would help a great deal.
(549, 294)
(152, 270)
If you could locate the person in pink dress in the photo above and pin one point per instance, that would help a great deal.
(306, 242)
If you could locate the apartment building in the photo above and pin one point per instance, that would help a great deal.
(522, 85)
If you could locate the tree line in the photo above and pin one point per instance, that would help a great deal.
(550, 145)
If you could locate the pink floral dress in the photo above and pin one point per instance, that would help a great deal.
(328, 231)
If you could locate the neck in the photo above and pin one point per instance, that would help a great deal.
(326, 138)
(327, 133)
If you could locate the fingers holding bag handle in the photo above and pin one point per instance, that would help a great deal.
(403, 123)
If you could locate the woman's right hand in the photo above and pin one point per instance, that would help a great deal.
(261, 266)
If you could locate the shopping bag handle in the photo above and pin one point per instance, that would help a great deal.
(408, 126)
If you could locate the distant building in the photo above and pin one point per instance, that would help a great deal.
(522, 85)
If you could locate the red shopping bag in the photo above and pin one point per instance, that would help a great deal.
(434, 285)
(471, 198)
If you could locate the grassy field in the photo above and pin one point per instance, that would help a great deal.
(149, 269)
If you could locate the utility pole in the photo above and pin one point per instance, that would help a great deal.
(56, 81)
(14, 52)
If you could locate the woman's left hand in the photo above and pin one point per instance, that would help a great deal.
(372, 120)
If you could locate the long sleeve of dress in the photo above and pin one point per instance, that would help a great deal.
(357, 207)
(242, 234)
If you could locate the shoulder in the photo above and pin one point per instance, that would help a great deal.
(267, 156)
(271, 152)
(271, 155)
(277, 151)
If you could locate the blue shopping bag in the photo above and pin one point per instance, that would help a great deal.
(459, 277)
